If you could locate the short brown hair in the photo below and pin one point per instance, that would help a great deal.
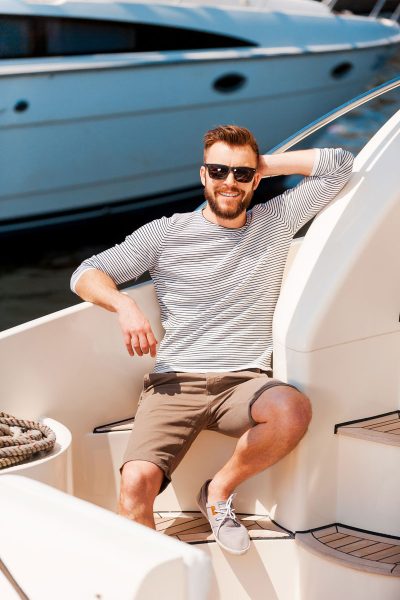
(232, 135)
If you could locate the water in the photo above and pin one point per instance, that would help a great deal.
(35, 268)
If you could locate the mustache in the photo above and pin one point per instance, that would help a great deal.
(228, 190)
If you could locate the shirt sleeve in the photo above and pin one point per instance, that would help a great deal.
(332, 169)
(130, 259)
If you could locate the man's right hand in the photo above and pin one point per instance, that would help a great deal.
(98, 287)
(138, 334)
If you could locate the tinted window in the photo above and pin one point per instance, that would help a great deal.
(48, 36)
(15, 37)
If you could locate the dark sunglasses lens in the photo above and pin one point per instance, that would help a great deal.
(244, 174)
(241, 174)
(218, 171)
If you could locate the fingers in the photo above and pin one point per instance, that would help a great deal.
(136, 345)
(152, 343)
(128, 344)
(141, 342)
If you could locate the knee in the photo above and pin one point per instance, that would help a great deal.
(140, 479)
(286, 406)
(302, 411)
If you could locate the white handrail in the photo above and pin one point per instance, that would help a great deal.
(377, 8)
(335, 114)
(396, 13)
(329, 3)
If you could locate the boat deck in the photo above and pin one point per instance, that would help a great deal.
(193, 527)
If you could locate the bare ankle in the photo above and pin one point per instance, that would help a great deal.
(217, 492)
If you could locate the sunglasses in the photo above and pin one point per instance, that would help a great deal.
(241, 174)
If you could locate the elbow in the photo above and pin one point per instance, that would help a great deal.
(76, 283)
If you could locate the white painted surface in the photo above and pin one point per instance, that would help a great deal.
(268, 571)
(73, 549)
(76, 370)
(324, 579)
(369, 485)
(336, 329)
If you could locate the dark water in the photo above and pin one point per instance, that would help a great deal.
(35, 267)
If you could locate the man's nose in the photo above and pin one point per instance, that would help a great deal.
(230, 179)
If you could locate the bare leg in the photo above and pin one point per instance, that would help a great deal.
(140, 483)
(283, 415)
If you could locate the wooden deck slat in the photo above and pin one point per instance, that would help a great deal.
(341, 543)
(332, 537)
(381, 422)
(374, 420)
(325, 531)
(369, 552)
(385, 553)
(387, 427)
(375, 537)
(178, 525)
(194, 527)
(165, 523)
(393, 558)
(204, 528)
(385, 430)
(358, 545)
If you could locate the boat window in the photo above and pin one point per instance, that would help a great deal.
(30, 36)
(15, 38)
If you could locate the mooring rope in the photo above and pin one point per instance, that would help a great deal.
(21, 439)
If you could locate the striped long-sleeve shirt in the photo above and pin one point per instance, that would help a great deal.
(217, 287)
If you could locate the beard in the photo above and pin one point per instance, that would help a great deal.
(237, 207)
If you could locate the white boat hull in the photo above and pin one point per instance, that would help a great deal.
(134, 131)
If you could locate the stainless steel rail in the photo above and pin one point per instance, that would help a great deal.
(396, 14)
(335, 114)
(378, 6)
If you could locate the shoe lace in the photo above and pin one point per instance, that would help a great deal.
(226, 512)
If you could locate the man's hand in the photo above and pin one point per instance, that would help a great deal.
(97, 287)
(136, 329)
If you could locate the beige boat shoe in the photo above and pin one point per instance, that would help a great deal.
(229, 533)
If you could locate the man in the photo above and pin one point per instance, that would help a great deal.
(217, 274)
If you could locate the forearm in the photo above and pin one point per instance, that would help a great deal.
(98, 287)
(298, 162)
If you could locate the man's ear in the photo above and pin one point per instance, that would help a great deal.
(256, 180)
(203, 175)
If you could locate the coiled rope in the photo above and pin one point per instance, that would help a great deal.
(20, 440)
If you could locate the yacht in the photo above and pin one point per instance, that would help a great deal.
(104, 103)
(324, 521)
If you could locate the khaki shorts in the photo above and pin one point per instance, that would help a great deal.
(174, 407)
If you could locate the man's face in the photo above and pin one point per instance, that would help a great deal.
(228, 198)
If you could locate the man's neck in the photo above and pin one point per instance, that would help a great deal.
(228, 223)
